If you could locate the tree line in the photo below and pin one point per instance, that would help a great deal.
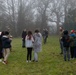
(16, 15)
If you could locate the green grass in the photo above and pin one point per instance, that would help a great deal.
(50, 61)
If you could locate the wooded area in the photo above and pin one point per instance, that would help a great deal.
(16, 15)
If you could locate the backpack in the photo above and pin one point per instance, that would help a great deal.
(66, 41)
(75, 41)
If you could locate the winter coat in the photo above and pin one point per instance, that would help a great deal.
(72, 36)
(6, 42)
(24, 33)
(29, 42)
(66, 40)
(37, 42)
(75, 41)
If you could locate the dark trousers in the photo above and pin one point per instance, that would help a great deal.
(45, 39)
(23, 43)
(72, 52)
(66, 53)
(61, 46)
(75, 52)
(29, 53)
(1, 53)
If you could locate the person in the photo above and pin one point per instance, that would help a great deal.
(6, 44)
(24, 33)
(29, 45)
(37, 44)
(1, 53)
(60, 39)
(75, 45)
(66, 45)
(72, 35)
(45, 35)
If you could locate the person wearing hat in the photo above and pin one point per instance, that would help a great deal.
(66, 45)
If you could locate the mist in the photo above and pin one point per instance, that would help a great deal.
(17, 15)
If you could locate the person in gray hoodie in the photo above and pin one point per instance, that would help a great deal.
(37, 44)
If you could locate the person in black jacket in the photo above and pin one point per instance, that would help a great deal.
(24, 33)
(66, 45)
(6, 44)
(45, 35)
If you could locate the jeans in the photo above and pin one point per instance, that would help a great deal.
(36, 56)
(66, 53)
(61, 46)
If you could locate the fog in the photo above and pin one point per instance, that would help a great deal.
(17, 15)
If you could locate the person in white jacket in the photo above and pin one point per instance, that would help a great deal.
(29, 45)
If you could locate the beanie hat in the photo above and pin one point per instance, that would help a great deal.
(72, 31)
(65, 32)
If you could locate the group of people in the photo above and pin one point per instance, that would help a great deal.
(5, 46)
(32, 42)
(68, 43)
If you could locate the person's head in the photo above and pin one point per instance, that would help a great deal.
(29, 33)
(72, 31)
(24, 30)
(65, 32)
(60, 28)
(2, 33)
(6, 33)
(36, 31)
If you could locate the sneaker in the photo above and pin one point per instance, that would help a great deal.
(0, 60)
(4, 62)
(27, 61)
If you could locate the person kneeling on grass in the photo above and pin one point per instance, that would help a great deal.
(6, 43)
(66, 45)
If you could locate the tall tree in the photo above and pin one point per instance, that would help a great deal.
(41, 7)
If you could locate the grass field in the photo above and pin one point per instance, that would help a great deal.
(50, 61)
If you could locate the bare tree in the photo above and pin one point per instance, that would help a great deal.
(42, 8)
